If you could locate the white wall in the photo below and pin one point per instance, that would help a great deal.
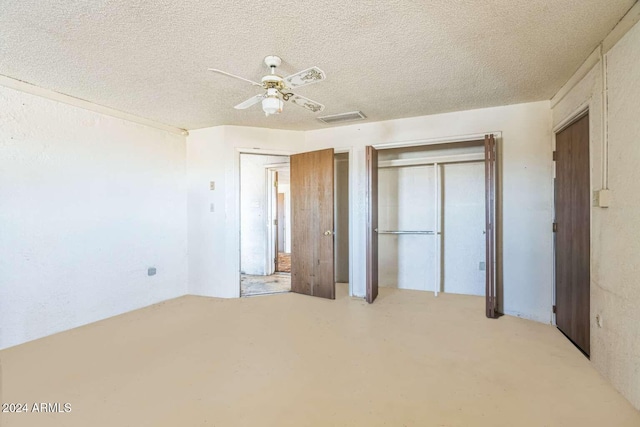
(214, 237)
(527, 206)
(406, 202)
(254, 219)
(87, 203)
(615, 231)
(463, 215)
(207, 213)
(285, 188)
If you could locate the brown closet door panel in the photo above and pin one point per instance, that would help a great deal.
(490, 168)
(372, 224)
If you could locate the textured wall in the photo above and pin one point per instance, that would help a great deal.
(87, 203)
(618, 291)
(615, 231)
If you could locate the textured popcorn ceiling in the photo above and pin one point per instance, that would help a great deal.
(390, 59)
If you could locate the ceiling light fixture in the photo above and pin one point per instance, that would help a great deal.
(272, 104)
(279, 89)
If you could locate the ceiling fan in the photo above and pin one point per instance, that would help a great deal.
(278, 89)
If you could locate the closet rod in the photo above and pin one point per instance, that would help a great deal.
(404, 232)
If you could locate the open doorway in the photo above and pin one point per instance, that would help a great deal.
(269, 189)
(265, 225)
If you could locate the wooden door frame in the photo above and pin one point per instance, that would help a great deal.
(575, 115)
(281, 226)
(271, 213)
(353, 179)
(498, 204)
(271, 207)
(371, 249)
(233, 234)
(437, 141)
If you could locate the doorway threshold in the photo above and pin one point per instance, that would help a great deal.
(251, 285)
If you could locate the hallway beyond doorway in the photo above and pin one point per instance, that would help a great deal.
(284, 262)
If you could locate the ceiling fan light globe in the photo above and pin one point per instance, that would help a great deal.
(272, 105)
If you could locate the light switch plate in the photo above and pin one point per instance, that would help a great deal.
(212, 185)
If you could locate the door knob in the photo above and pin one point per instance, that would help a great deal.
(328, 233)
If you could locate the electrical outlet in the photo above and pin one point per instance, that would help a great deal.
(151, 271)
(212, 185)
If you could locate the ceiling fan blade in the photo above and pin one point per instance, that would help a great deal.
(249, 102)
(303, 102)
(235, 77)
(305, 77)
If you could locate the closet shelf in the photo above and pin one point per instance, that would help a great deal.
(428, 232)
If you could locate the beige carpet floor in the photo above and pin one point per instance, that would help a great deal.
(410, 359)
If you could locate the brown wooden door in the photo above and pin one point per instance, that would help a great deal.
(491, 169)
(372, 224)
(572, 209)
(312, 262)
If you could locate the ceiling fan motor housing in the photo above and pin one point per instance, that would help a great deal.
(273, 81)
(272, 61)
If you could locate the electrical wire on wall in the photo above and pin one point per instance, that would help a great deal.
(605, 121)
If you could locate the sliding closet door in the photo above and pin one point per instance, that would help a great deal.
(490, 169)
(372, 224)
(312, 257)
